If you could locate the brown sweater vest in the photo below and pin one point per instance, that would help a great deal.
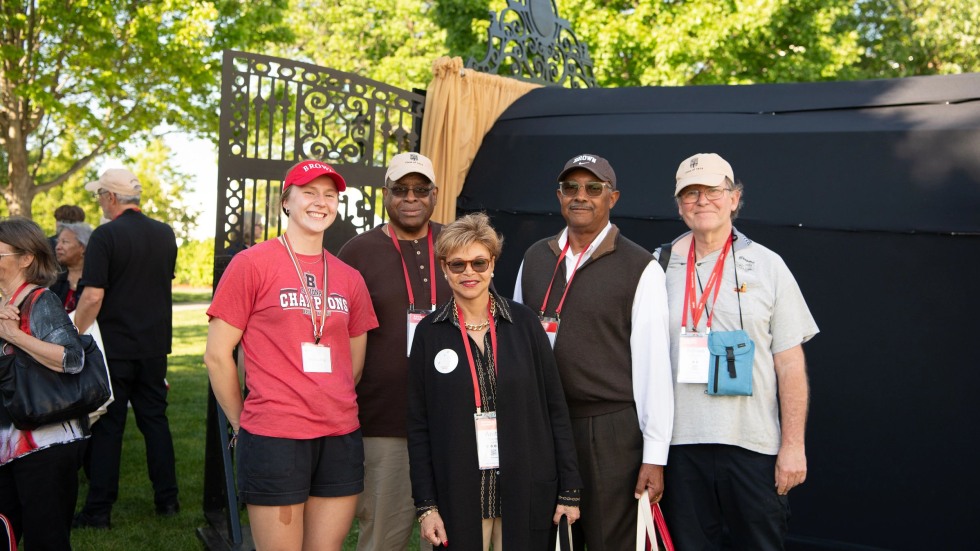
(593, 343)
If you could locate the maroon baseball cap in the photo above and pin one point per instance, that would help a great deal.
(307, 171)
(594, 164)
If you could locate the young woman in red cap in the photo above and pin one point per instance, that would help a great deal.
(302, 317)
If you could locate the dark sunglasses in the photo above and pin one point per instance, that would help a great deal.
(402, 191)
(480, 265)
(592, 189)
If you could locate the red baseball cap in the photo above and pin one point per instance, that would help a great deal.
(307, 171)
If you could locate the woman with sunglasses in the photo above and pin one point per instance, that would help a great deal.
(483, 474)
(39, 467)
(302, 317)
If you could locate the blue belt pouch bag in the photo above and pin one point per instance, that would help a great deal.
(730, 367)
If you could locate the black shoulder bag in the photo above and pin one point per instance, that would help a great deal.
(34, 395)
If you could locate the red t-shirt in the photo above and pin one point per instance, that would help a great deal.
(260, 294)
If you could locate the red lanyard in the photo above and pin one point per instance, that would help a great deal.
(314, 313)
(469, 352)
(408, 282)
(691, 303)
(561, 257)
(17, 292)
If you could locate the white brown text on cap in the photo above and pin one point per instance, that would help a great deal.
(305, 172)
(595, 164)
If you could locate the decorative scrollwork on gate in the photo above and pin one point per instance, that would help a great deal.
(276, 112)
(529, 41)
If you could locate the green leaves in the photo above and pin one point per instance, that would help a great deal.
(656, 42)
(105, 73)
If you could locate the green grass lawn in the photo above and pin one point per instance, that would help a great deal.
(184, 295)
(134, 522)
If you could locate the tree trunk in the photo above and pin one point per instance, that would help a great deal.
(20, 189)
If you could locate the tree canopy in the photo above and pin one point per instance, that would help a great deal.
(80, 80)
(658, 42)
(391, 41)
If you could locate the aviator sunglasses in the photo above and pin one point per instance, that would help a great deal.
(480, 265)
(592, 189)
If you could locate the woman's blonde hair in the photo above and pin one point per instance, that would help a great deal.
(467, 230)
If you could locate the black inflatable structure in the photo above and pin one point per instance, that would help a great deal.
(871, 193)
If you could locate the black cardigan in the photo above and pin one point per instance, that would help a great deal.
(537, 454)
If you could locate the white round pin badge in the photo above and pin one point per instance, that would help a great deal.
(446, 361)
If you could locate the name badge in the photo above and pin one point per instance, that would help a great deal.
(550, 327)
(316, 358)
(693, 359)
(486, 440)
(413, 319)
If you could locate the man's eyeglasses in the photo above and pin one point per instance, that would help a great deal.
(402, 191)
(711, 194)
(15, 254)
(592, 189)
(100, 193)
(480, 265)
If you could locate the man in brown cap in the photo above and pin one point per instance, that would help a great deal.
(602, 300)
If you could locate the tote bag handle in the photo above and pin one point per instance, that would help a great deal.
(650, 521)
(564, 540)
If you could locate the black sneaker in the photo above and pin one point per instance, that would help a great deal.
(168, 509)
(87, 520)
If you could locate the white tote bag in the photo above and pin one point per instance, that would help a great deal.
(96, 334)
(647, 526)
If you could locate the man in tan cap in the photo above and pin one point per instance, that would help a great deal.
(737, 447)
(398, 264)
(129, 267)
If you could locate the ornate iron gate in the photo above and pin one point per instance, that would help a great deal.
(274, 113)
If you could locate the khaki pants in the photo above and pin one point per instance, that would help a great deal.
(385, 511)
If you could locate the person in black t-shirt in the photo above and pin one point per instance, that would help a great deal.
(129, 266)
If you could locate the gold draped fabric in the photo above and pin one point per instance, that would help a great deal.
(460, 107)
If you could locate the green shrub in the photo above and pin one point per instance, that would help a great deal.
(195, 263)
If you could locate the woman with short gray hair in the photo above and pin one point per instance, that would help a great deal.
(70, 252)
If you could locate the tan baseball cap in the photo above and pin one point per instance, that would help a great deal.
(117, 180)
(706, 169)
(407, 163)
